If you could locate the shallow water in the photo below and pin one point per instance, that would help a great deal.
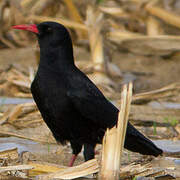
(8, 100)
(25, 145)
(168, 145)
(163, 105)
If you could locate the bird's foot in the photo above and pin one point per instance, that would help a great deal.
(73, 158)
(96, 152)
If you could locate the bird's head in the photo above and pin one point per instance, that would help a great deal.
(54, 41)
(50, 34)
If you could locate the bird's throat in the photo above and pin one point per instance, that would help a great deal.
(56, 58)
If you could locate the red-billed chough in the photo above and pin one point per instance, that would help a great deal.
(71, 105)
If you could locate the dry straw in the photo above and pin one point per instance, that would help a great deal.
(113, 141)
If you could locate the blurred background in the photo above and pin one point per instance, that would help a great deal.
(119, 41)
(115, 42)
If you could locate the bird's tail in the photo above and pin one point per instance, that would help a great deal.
(137, 142)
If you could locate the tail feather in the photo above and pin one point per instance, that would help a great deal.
(137, 142)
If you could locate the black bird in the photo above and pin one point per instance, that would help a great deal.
(71, 105)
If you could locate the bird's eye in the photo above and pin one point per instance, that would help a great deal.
(49, 29)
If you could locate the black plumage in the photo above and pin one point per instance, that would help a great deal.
(71, 105)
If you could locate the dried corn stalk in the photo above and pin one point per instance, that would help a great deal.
(84, 169)
(94, 24)
(113, 141)
(166, 16)
(153, 27)
(75, 16)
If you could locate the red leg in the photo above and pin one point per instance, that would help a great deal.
(73, 158)
(96, 152)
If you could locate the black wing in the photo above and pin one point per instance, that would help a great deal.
(91, 103)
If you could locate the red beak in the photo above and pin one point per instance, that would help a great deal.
(31, 27)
